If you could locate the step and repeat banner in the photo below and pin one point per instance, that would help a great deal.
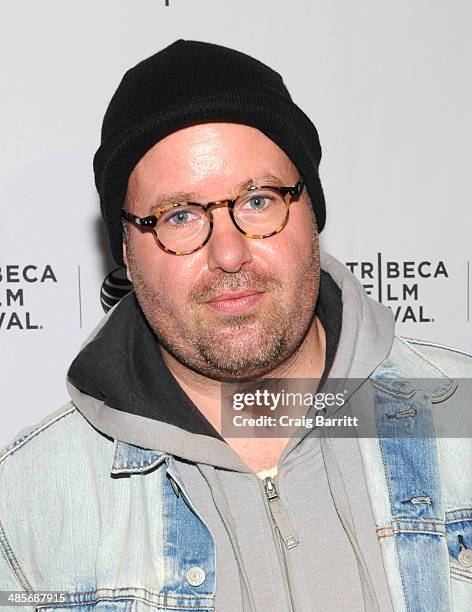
(386, 83)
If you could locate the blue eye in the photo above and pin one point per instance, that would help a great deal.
(179, 217)
(258, 202)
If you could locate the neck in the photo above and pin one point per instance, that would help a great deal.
(307, 362)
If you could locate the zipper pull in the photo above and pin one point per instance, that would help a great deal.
(279, 514)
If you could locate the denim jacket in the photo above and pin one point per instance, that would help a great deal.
(420, 488)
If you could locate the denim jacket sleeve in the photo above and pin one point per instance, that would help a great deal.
(8, 580)
(10, 584)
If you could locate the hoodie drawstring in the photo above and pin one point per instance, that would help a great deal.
(219, 498)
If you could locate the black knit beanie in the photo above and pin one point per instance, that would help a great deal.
(192, 82)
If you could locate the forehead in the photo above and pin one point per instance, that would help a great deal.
(210, 150)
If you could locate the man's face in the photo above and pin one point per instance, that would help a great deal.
(224, 340)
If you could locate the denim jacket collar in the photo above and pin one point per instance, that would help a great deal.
(131, 459)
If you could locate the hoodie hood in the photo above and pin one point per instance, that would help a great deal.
(121, 385)
(368, 328)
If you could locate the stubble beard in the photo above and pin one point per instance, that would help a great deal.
(236, 347)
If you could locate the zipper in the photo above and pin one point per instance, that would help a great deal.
(284, 531)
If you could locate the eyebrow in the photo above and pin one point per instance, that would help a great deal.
(166, 199)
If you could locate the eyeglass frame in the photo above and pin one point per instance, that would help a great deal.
(289, 194)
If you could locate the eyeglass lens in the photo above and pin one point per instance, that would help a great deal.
(186, 227)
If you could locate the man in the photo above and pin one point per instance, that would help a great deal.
(138, 495)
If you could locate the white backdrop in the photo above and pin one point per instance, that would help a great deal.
(386, 83)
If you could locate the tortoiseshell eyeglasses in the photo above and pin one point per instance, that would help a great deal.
(182, 228)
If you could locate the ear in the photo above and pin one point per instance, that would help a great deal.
(125, 259)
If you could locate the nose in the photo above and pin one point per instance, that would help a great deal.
(228, 249)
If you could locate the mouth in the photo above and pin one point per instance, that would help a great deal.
(237, 302)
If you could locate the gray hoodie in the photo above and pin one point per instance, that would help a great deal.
(336, 562)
